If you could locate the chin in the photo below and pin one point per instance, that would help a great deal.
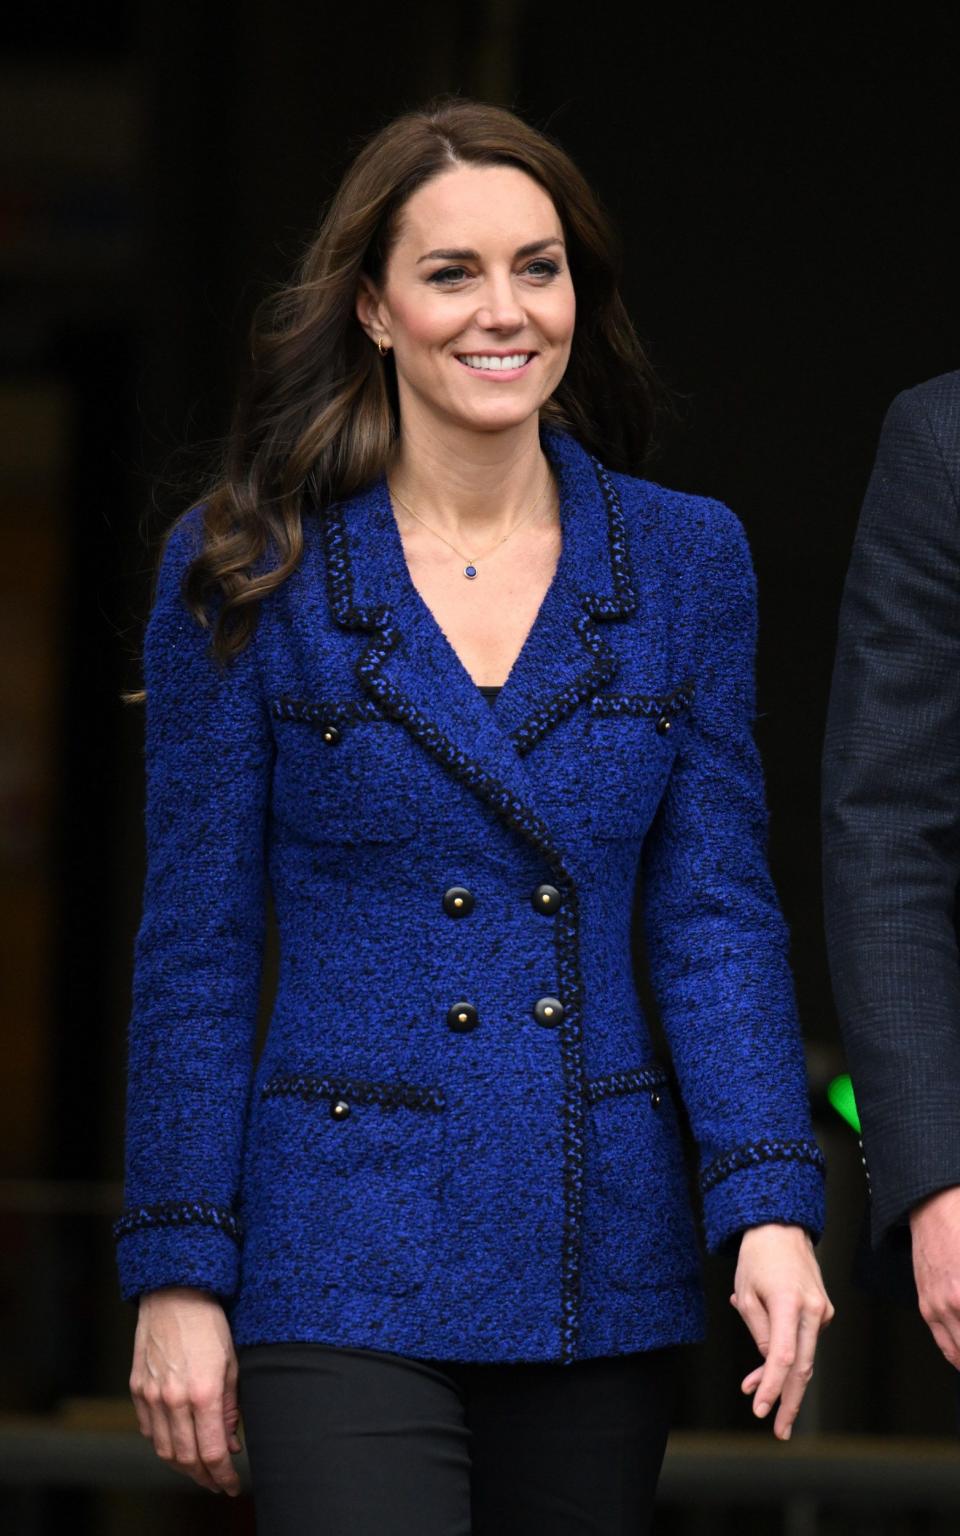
(498, 416)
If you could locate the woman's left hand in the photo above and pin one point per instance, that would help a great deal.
(779, 1293)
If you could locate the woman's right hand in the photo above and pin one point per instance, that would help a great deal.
(183, 1382)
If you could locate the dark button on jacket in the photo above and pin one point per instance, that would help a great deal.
(546, 898)
(549, 1011)
(458, 901)
(462, 1016)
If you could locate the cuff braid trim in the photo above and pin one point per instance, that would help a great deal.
(755, 1155)
(184, 1213)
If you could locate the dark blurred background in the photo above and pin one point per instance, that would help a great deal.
(786, 186)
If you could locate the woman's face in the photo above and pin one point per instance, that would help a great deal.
(477, 300)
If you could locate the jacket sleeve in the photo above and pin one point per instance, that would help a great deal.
(716, 939)
(891, 818)
(198, 950)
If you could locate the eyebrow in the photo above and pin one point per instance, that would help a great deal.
(530, 249)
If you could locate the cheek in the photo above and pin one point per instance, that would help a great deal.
(558, 316)
(424, 324)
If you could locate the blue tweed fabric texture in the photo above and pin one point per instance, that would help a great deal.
(381, 1177)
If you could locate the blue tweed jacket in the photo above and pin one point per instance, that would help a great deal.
(457, 1141)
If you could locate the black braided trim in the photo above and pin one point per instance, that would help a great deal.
(520, 819)
(324, 711)
(602, 662)
(184, 1213)
(758, 1153)
(633, 1080)
(670, 704)
(311, 1086)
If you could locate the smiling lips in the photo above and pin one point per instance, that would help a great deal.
(488, 362)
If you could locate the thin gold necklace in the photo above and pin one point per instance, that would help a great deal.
(470, 569)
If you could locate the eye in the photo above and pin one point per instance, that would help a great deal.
(447, 275)
(546, 268)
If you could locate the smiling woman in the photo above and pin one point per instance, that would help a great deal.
(436, 1241)
(481, 330)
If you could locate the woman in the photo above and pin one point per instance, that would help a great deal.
(467, 671)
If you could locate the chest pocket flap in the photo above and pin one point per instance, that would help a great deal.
(344, 772)
(635, 738)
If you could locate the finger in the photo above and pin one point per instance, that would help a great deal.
(950, 1322)
(212, 1446)
(755, 1315)
(750, 1383)
(231, 1406)
(160, 1430)
(142, 1412)
(799, 1375)
(784, 1319)
(186, 1454)
(944, 1341)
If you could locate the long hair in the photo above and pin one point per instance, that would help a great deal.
(318, 416)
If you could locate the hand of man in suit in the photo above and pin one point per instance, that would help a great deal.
(935, 1230)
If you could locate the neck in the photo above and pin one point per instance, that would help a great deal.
(468, 483)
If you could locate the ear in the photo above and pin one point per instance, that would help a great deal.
(371, 312)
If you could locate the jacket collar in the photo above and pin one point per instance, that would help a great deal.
(410, 668)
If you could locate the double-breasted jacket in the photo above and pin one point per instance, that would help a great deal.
(458, 1140)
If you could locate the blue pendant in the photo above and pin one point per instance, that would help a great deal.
(470, 570)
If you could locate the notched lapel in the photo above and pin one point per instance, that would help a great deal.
(407, 664)
(566, 658)
(410, 668)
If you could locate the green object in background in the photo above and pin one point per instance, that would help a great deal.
(840, 1094)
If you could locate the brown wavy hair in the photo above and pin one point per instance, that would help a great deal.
(318, 417)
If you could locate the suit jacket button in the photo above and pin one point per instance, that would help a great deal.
(546, 898)
(654, 1098)
(462, 1017)
(458, 901)
(339, 1109)
(663, 725)
(548, 1011)
(330, 734)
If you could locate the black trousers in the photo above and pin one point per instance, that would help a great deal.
(378, 1444)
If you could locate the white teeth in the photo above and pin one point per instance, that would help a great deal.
(495, 364)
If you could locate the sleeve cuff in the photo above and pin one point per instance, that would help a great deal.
(768, 1181)
(178, 1244)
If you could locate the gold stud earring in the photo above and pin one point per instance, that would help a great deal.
(383, 350)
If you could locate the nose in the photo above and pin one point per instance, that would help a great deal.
(500, 309)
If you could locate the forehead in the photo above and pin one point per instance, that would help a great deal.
(478, 205)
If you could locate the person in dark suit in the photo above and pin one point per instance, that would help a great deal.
(435, 662)
(891, 849)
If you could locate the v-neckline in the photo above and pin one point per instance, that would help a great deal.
(412, 594)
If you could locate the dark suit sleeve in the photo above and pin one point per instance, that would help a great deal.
(892, 816)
